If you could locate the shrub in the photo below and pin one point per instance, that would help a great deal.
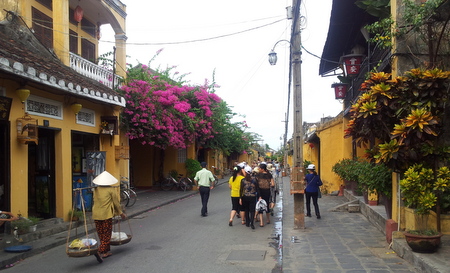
(192, 167)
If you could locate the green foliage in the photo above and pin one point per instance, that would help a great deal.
(382, 32)
(306, 163)
(370, 177)
(426, 232)
(416, 16)
(34, 220)
(420, 187)
(76, 214)
(408, 118)
(347, 169)
(192, 167)
(23, 224)
(375, 178)
(377, 8)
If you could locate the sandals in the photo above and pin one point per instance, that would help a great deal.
(105, 255)
(243, 222)
(230, 223)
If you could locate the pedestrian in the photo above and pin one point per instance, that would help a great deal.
(106, 206)
(273, 189)
(265, 181)
(249, 194)
(235, 186)
(277, 168)
(312, 189)
(204, 179)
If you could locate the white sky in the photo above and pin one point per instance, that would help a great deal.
(247, 81)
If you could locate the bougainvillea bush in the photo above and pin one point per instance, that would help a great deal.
(161, 112)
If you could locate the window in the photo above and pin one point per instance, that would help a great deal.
(72, 17)
(86, 117)
(182, 155)
(43, 28)
(73, 42)
(88, 50)
(88, 27)
(44, 107)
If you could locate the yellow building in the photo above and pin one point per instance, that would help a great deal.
(54, 99)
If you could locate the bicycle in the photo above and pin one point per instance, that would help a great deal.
(182, 183)
(128, 196)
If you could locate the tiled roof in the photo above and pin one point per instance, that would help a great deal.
(22, 55)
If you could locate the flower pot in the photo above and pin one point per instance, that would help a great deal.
(32, 228)
(373, 202)
(423, 243)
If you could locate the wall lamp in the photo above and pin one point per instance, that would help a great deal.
(23, 94)
(273, 55)
(76, 107)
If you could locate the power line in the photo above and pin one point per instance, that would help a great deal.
(203, 39)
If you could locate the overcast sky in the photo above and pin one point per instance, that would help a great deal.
(234, 38)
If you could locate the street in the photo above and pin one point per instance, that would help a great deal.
(175, 238)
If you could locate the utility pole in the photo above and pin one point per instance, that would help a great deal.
(298, 173)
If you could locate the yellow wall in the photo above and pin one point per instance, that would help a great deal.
(332, 149)
(63, 151)
(412, 221)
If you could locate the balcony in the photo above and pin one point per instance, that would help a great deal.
(95, 72)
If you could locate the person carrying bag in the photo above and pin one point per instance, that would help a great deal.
(312, 190)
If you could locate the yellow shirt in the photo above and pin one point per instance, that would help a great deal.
(235, 185)
(106, 203)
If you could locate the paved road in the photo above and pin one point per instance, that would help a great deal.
(175, 238)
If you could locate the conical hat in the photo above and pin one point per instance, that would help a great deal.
(105, 179)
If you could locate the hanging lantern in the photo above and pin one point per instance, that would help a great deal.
(352, 64)
(27, 129)
(78, 14)
(340, 90)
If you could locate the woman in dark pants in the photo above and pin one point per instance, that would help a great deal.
(249, 193)
(265, 182)
(312, 189)
(106, 206)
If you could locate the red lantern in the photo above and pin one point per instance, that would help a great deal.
(352, 64)
(340, 90)
(78, 14)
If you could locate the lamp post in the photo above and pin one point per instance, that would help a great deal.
(295, 65)
(273, 61)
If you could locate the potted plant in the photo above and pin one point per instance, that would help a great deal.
(348, 169)
(34, 222)
(25, 225)
(376, 180)
(420, 188)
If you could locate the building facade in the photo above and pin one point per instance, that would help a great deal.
(59, 111)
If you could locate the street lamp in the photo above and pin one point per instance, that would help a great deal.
(273, 61)
(273, 55)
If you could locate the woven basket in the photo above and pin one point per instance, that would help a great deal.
(74, 252)
(121, 242)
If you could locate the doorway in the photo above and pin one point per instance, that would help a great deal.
(41, 176)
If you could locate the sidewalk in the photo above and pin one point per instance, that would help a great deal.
(350, 242)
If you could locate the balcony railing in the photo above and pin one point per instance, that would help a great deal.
(93, 71)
